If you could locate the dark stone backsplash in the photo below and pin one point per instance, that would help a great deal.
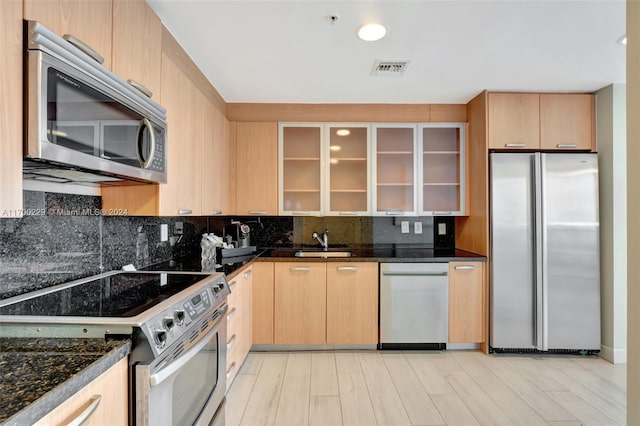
(63, 237)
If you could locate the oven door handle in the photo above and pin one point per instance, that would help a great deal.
(162, 375)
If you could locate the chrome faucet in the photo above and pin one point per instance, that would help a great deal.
(324, 242)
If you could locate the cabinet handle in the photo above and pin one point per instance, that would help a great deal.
(184, 211)
(84, 416)
(395, 213)
(248, 273)
(348, 213)
(232, 285)
(442, 213)
(300, 269)
(301, 213)
(140, 88)
(257, 212)
(231, 314)
(84, 47)
(464, 268)
(230, 370)
(216, 212)
(567, 145)
(231, 342)
(347, 268)
(515, 145)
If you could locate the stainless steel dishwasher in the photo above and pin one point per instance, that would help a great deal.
(414, 305)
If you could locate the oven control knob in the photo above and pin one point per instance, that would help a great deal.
(220, 287)
(216, 289)
(179, 317)
(160, 336)
(168, 323)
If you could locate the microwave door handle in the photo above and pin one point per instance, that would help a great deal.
(162, 375)
(152, 143)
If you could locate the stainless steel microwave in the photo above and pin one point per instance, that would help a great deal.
(84, 124)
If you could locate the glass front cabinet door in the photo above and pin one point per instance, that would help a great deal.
(442, 171)
(395, 170)
(349, 170)
(301, 169)
(325, 169)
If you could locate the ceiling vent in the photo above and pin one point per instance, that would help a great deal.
(393, 68)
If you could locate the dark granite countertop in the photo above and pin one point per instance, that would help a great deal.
(39, 374)
(400, 253)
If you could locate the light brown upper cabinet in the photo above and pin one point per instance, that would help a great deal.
(567, 121)
(257, 168)
(11, 109)
(218, 187)
(137, 44)
(514, 120)
(88, 21)
(182, 194)
(547, 121)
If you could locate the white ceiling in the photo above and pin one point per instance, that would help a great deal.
(287, 51)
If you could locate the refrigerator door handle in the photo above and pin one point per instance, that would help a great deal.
(541, 252)
(538, 229)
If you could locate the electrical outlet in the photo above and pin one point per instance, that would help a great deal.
(178, 230)
(164, 232)
(442, 229)
(417, 227)
(405, 226)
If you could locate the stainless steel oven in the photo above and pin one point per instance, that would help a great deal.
(187, 385)
(177, 320)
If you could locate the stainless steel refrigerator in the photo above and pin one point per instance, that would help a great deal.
(545, 252)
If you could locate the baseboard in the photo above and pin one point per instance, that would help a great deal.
(614, 356)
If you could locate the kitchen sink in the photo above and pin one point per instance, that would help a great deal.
(316, 253)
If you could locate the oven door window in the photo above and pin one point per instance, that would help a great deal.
(194, 383)
(86, 120)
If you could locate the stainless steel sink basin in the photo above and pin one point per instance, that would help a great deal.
(316, 253)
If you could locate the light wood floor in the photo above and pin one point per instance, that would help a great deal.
(425, 388)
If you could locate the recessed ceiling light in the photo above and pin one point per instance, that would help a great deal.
(623, 39)
(335, 148)
(372, 32)
(334, 161)
(343, 132)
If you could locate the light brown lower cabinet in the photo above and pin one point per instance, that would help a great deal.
(466, 305)
(239, 321)
(112, 409)
(263, 288)
(352, 303)
(300, 312)
(326, 303)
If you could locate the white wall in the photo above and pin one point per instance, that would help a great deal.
(612, 133)
(633, 211)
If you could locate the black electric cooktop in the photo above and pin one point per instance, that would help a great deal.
(121, 295)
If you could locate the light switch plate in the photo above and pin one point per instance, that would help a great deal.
(164, 232)
(417, 227)
(405, 226)
(442, 229)
(178, 230)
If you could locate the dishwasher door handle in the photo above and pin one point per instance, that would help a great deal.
(415, 274)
